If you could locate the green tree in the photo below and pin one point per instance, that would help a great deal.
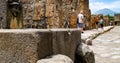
(111, 17)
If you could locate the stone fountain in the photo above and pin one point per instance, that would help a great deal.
(14, 14)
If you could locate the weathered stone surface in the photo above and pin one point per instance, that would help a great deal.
(30, 45)
(84, 54)
(73, 20)
(106, 20)
(56, 59)
(54, 12)
(28, 10)
(38, 11)
(88, 41)
(67, 13)
(84, 6)
(3, 12)
(59, 12)
(65, 42)
(24, 46)
(117, 19)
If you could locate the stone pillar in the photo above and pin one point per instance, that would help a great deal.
(50, 13)
(92, 21)
(28, 10)
(73, 20)
(3, 11)
(84, 6)
(66, 13)
(106, 20)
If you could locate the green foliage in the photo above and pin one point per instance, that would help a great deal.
(111, 17)
(108, 15)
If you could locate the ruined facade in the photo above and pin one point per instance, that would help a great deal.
(117, 19)
(51, 13)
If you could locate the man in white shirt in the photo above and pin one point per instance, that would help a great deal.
(80, 20)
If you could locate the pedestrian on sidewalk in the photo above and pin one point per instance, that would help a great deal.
(80, 21)
(101, 22)
(97, 21)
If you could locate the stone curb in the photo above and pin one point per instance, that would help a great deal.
(97, 34)
(88, 40)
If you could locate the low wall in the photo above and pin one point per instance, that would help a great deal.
(30, 45)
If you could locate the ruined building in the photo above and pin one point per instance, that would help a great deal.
(42, 13)
(117, 19)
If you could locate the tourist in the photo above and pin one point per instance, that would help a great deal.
(80, 21)
(97, 22)
(101, 22)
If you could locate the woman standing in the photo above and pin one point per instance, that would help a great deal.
(97, 21)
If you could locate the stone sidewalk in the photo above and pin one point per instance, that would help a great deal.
(89, 35)
(106, 47)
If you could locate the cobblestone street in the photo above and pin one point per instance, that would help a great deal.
(107, 47)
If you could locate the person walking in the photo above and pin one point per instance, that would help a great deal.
(97, 21)
(80, 20)
(101, 22)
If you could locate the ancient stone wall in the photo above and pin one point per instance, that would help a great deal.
(117, 19)
(54, 13)
(30, 45)
(3, 13)
(28, 11)
(84, 6)
(58, 13)
(106, 20)
(93, 21)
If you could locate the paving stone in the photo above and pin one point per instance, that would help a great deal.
(107, 46)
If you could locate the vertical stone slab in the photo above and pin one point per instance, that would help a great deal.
(65, 42)
(3, 12)
(84, 6)
(60, 18)
(28, 7)
(73, 20)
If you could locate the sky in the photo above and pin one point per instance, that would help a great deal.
(101, 4)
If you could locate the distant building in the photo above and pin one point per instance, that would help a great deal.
(117, 19)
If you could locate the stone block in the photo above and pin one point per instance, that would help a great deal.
(56, 59)
(30, 45)
(65, 42)
(84, 54)
(24, 46)
(3, 12)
